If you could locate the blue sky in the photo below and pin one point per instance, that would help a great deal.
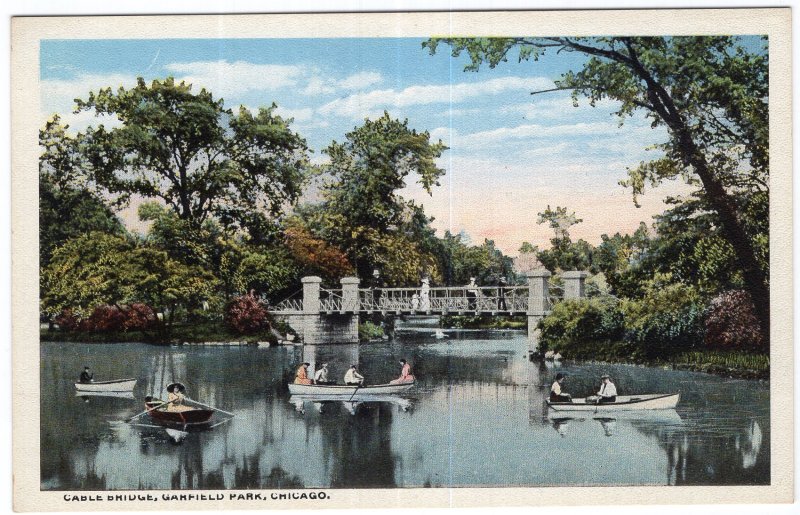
(511, 154)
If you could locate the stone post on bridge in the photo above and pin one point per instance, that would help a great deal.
(574, 284)
(311, 294)
(538, 304)
(350, 294)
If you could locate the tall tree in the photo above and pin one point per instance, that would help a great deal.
(199, 158)
(67, 208)
(712, 95)
(365, 215)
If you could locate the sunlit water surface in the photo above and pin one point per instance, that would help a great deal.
(476, 418)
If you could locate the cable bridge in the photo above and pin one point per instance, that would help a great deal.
(332, 315)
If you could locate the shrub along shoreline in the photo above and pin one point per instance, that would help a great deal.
(669, 326)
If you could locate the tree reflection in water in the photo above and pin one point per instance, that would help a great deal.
(478, 418)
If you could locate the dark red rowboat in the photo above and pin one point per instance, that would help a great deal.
(192, 416)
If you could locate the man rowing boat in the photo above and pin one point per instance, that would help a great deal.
(352, 377)
(608, 391)
(86, 376)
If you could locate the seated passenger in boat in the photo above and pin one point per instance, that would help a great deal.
(86, 376)
(352, 377)
(321, 377)
(301, 377)
(405, 374)
(556, 395)
(608, 391)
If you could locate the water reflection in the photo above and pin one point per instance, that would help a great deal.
(476, 418)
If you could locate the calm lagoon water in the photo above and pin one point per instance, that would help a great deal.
(476, 418)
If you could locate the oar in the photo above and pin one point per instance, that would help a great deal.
(354, 391)
(148, 410)
(210, 407)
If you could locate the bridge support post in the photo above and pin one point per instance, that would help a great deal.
(574, 284)
(538, 304)
(311, 318)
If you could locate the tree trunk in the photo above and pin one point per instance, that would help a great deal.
(754, 277)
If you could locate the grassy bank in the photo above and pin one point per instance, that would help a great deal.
(191, 333)
(733, 364)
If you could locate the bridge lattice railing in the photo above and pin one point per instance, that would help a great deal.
(331, 300)
(483, 298)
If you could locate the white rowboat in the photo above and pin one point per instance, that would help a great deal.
(120, 385)
(347, 391)
(623, 403)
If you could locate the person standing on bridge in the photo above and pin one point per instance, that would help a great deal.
(501, 295)
(377, 288)
(425, 295)
(472, 295)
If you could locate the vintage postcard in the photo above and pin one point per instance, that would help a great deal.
(440, 259)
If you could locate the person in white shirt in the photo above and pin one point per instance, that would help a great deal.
(556, 395)
(352, 377)
(608, 391)
(321, 376)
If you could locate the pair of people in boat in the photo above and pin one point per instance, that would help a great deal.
(607, 393)
(351, 377)
(321, 375)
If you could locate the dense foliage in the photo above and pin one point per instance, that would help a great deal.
(730, 323)
(246, 315)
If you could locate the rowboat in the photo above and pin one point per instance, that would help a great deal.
(119, 385)
(117, 395)
(338, 391)
(655, 401)
(187, 415)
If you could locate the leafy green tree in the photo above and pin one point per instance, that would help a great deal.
(199, 158)
(66, 207)
(238, 262)
(710, 93)
(362, 213)
(564, 254)
(484, 262)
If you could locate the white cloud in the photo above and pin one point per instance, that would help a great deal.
(355, 106)
(299, 115)
(318, 85)
(361, 80)
(537, 131)
(235, 78)
(558, 107)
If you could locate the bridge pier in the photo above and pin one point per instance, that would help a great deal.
(316, 328)
(538, 304)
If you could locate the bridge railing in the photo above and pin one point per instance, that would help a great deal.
(330, 300)
(440, 299)
(288, 305)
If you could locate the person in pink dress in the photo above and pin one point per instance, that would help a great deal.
(405, 374)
